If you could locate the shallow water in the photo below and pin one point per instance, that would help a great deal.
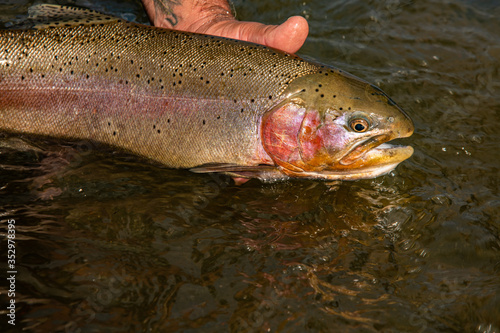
(108, 243)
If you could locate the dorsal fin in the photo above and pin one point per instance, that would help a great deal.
(44, 16)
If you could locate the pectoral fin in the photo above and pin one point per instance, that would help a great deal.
(262, 172)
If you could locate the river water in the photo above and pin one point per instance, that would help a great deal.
(108, 243)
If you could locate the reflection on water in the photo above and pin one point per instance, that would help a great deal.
(106, 242)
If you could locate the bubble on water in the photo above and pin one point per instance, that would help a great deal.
(441, 199)
(128, 16)
(476, 138)
(487, 328)
(466, 151)
(249, 248)
(300, 267)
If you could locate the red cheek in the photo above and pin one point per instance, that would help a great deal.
(321, 141)
(280, 130)
(310, 137)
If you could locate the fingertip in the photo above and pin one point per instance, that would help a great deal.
(291, 35)
(298, 23)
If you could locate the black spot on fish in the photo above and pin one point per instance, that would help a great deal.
(204, 122)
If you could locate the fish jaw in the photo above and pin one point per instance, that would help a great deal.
(337, 132)
(374, 163)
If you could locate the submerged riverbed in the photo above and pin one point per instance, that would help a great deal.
(108, 243)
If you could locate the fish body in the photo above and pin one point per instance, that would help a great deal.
(193, 101)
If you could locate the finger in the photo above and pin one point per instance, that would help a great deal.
(288, 36)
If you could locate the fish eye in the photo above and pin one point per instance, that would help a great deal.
(359, 125)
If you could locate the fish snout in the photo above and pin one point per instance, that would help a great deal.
(403, 126)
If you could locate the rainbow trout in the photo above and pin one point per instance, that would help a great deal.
(193, 101)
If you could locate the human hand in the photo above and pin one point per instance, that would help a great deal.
(214, 17)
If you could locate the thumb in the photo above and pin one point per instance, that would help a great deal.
(288, 36)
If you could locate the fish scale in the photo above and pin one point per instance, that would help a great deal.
(166, 95)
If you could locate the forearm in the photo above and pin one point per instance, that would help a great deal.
(190, 15)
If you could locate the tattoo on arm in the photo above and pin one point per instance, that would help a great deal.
(167, 7)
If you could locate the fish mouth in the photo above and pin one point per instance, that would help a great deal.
(378, 160)
(359, 150)
(369, 159)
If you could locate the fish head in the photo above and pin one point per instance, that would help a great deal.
(334, 126)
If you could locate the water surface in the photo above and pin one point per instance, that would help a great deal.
(109, 243)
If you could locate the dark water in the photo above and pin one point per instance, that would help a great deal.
(108, 243)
